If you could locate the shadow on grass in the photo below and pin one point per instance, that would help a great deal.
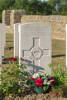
(9, 41)
(58, 55)
(8, 48)
(6, 60)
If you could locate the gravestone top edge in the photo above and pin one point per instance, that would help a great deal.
(33, 23)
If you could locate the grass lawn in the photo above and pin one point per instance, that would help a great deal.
(58, 49)
(9, 46)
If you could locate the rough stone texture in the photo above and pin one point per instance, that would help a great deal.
(16, 15)
(6, 17)
(35, 46)
(58, 23)
(10, 17)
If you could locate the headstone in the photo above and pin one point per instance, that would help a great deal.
(2, 38)
(66, 45)
(2, 44)
(1, 48)
(16, 40)
(35, 46)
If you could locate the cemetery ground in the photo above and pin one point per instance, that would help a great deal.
(58, 56)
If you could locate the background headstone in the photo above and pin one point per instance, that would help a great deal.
(2, 44)
(1, 47)
(35, 46)
(66, 45)
(2, 37)
(16, 40)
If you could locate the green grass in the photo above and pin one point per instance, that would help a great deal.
(9, 44)
(58, 49)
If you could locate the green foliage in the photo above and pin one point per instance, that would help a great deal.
(38, 7)
(61, 6)
(60, 75)
(11, 78)
(38, 89)
(21, 4)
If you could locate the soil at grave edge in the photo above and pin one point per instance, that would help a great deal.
(28, 94)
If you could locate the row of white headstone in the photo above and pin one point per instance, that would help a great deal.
(33, 42)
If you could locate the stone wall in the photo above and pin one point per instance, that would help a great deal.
(6, 17)
(10, 17)
(15, 16)
(58, 23)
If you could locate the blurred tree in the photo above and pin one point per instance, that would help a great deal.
(46, 9)
(59, 6)
(63, 7)
(39, 7)
(21, 4)
(6, 4)
(33, 7)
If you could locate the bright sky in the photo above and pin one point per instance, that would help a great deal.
(43, 0)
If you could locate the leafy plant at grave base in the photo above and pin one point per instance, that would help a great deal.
(60, 75)
(40, 82)
(11, 78)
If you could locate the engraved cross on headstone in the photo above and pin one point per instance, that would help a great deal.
(36, 52)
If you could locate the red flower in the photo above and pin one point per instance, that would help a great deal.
(39, 82)
(13, 59)
(52, 81)
(32, 79)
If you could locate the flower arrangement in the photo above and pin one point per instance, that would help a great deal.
(40, 82)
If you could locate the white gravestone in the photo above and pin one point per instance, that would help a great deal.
(0, 55)
(2, 44)
(66, 45)
(16, 40)
(2, 37)
(35, 46)
(1, 48)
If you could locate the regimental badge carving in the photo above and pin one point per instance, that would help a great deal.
(36, 52)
